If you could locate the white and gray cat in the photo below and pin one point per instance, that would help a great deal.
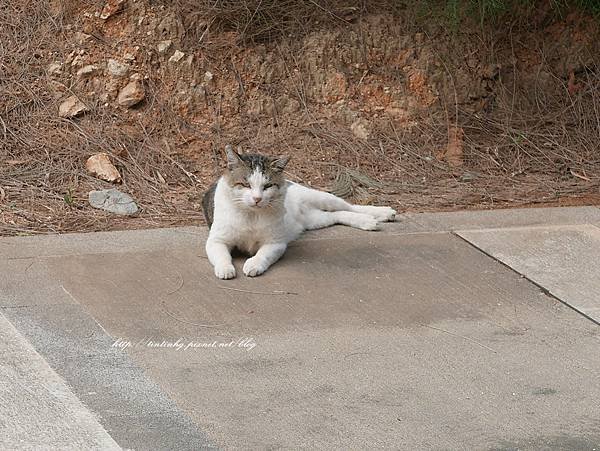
(253, 208)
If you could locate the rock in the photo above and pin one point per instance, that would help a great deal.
(72, 107)
(101, 166)
(469, 176)
(263, 105)
(360, 129)
(176, 57)
(77, 60)
(111, 89)
(169, 28)
(418, 84)
(199, 93)
(397, 113)
(111, 8)
(333, 86)
(132, 94)
(56, 89)
(208, 76)
(164, 46)
(116, 68)
(97, 86)
(114, 201)
(88, 70)
(70, 57)
(54, 69)
(82, 38)
(453, 153)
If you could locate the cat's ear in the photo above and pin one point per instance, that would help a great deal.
(233, 158)
(278, 163)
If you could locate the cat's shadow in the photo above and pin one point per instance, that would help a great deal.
(238, 254)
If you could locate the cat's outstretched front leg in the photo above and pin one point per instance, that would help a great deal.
(265, 257)
(219, 256)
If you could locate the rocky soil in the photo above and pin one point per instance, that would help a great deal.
(375, 106)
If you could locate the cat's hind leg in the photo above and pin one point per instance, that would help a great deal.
(382, 214)
(331, 203)
(321, 200)
(318, 219)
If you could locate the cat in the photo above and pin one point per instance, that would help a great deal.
(254, 209)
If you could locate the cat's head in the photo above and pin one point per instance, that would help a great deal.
(256, 181)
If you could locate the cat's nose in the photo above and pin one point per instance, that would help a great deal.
(256, 199)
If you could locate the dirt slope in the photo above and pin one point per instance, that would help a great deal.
(375, 106)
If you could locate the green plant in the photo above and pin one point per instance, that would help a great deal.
(592, 6)
(488, 11)
(68, 197)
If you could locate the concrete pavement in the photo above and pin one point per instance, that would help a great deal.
(38, 409)
(469, 330)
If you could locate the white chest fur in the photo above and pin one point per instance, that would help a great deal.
(243, 228)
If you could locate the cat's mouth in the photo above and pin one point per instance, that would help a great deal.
(252, 206)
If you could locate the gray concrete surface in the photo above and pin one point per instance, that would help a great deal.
(37, 408)
(562, 259)
(409, 338)
(129, 405)
(493, 219)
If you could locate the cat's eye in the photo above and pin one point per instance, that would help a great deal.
(269, 185)
(242, 185)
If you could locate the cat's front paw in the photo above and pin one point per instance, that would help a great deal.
(225, 271)
(254, 267)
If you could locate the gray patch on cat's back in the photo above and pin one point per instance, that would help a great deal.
(208, 204)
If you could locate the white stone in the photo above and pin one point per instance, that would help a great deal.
(177, 56)
(54, 69)
(164, 46)
(100, 166)
(114, 201)
(132, 94)
(72, 107)
(360, 129)
(116, 68)
(87, 70)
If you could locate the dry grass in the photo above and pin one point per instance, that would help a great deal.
(253, 20)
(264, 21)
(44, 183)
(533, 146)
(545, 133)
